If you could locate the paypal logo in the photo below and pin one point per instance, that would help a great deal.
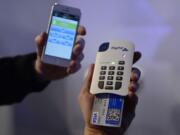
(121, 48)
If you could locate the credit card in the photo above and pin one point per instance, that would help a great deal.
(107, 110)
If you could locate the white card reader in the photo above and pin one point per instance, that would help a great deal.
(113, 67)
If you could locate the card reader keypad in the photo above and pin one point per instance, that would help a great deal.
(110, 77)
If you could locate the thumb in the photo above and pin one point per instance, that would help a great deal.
(88, 79)
(40, 41)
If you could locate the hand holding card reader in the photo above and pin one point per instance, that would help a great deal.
(110, 82)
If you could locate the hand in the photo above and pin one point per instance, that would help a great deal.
(51, 72)
(86, 103)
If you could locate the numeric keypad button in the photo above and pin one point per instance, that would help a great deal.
(101, 84)
(103, 68)
(102, 72)
(121, 62)
(119, 78)
(110, 77)
(111, 73)
(109, 83)
(112, 68)
(120, 73)
(118, 85)
(120, 68)
(109, 87)
(102, 78)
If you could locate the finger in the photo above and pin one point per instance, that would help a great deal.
(78, 48)
(137, 56)
(131, 94)
(81, 30)
(74, 67)
(128, 112)
(135, 74)
(88, 79)
(133, 86)
(71, 66)
(130, 104)
(80, 58)
(40, 41)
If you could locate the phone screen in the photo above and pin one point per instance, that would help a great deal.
(61, 36)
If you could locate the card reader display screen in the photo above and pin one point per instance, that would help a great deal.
(61, 36)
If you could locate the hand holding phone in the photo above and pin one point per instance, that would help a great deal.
(52, 70)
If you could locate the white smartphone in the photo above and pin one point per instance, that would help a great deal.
(62, 31)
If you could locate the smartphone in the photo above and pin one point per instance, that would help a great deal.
(62, 31)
